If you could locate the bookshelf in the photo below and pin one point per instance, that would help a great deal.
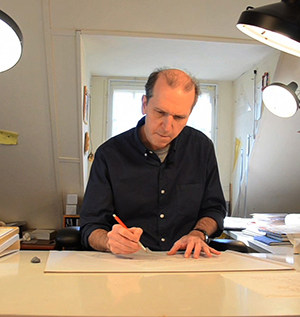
(71, 220)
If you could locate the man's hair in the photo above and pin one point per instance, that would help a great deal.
(174, 78)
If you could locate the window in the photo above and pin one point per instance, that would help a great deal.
(125, 107)
(203, 116)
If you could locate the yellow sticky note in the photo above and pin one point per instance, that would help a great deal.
(8, 137)
(236, 151)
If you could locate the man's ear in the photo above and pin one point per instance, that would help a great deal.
(144, 104)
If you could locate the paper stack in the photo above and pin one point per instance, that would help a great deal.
(9, 240)
(269, 219)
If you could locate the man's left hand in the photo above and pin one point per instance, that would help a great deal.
(192, 243)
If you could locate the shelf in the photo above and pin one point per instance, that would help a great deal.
(71, 220)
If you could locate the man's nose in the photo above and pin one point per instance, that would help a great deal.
(167, 122)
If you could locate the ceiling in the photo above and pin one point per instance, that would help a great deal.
(137, 57)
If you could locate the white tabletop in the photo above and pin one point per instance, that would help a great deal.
(26, 290)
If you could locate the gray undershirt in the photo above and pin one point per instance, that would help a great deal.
(162, 153)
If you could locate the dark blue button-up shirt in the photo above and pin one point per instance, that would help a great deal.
(164, 199)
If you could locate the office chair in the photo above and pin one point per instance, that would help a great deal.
(69, 238)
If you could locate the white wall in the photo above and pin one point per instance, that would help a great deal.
(28, 187)
(85, 80)
(272, 174)
(224, 134)
(274, 180)
(41, 100)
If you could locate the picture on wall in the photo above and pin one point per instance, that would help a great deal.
(86, 105)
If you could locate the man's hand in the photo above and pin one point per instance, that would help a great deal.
(124, 241)
(192, 243)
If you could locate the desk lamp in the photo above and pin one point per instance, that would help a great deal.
(281, 99)
(11, 42)
(277, 25)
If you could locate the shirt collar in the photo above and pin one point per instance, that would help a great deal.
(173, 146)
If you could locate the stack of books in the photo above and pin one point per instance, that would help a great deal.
(278, 235)
(9, 240)
(271, 238)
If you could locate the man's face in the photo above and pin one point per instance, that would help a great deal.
(167, 114)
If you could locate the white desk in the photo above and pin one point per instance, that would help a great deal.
(27, 290)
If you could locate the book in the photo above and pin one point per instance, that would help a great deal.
(7, 232)
(9, 240)
(42, 234)
(270, 241)
(279, 237)
(252, 231)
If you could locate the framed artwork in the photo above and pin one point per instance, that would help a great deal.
(86, 105)
(86, 142)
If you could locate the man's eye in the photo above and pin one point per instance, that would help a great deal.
(179, 117)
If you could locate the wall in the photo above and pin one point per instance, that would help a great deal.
(28, 188)
(274, 167)
(247, 95)
(42, 102)
(85, 75)
(272, 182)
(224, 134)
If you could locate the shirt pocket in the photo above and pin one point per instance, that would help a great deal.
(189, 198)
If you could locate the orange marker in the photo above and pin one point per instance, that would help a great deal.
(124, 226)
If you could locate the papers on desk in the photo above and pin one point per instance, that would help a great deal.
(236, 223)
(156, 262)
(270, 219)
(9, 240)
(272, 229)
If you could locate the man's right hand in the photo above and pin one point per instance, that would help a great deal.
(123, 241)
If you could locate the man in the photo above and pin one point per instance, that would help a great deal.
(161, 178)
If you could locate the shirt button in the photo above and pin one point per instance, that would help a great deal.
(150, 152)
(146, 154)
(162, 216)
(162, 239)
(162, 191)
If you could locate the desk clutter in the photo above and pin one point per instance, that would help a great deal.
(273, 229)
(15, 236)
(38, 239)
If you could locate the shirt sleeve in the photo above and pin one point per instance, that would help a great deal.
(97, 207)
(213, 203)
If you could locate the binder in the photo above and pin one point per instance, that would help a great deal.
(9, 240)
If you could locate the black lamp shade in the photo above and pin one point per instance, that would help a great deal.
(11, 42)
(277, 25)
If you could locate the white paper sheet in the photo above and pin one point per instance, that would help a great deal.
(82, 261)
(273, 284)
